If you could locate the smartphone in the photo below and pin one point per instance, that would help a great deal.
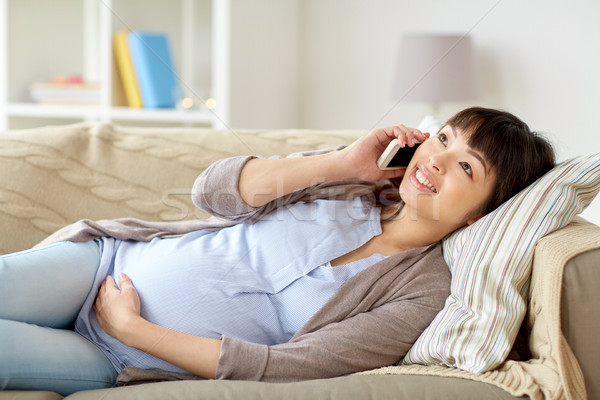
(395, 156)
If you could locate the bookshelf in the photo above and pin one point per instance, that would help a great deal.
(41, 39)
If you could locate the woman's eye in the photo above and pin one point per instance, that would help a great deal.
(467, 168)
(443, 138)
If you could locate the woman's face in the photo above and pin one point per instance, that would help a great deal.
(446, 181)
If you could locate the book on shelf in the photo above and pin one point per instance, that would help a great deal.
(126, 70)
(65, 93)
(154, 69)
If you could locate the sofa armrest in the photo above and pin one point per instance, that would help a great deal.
(557, 275)
(580, 312)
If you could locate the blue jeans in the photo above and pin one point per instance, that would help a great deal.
(41, 292)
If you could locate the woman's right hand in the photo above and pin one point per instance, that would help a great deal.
(362, 154)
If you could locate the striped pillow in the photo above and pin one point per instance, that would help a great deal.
(490, 262)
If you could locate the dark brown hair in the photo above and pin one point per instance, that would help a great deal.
(518, 155)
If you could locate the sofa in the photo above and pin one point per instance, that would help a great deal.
(56, 175)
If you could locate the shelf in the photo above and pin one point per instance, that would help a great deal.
(112, 113)
(162, 115)
(51, 111)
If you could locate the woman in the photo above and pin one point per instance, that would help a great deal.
(324, 279)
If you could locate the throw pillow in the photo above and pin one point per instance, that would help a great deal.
(490, 262)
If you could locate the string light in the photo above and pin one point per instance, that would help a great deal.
(210, 103)
(187, 103)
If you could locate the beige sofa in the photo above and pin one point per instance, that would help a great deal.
(53, 176)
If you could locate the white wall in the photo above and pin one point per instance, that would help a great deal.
(266, 63)
(538, 58)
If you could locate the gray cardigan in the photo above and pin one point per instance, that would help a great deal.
(371, 321)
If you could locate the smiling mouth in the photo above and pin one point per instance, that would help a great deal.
(424, 181)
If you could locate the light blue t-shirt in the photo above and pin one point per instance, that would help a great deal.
(258, 283)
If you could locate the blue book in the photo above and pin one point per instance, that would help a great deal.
(154, 69)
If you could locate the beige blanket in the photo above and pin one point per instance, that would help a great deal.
(553, 372)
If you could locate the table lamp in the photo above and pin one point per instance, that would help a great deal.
(436, 68)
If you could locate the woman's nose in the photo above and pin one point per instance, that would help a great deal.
(437, 163)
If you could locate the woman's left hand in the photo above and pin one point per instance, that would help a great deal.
(117, 310)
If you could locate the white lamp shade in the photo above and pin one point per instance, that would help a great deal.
(436, 68)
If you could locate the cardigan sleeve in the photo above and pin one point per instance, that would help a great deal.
(344, 337)
(216, 190)
(368, 340)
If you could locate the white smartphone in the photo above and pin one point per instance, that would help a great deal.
(394, 156)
